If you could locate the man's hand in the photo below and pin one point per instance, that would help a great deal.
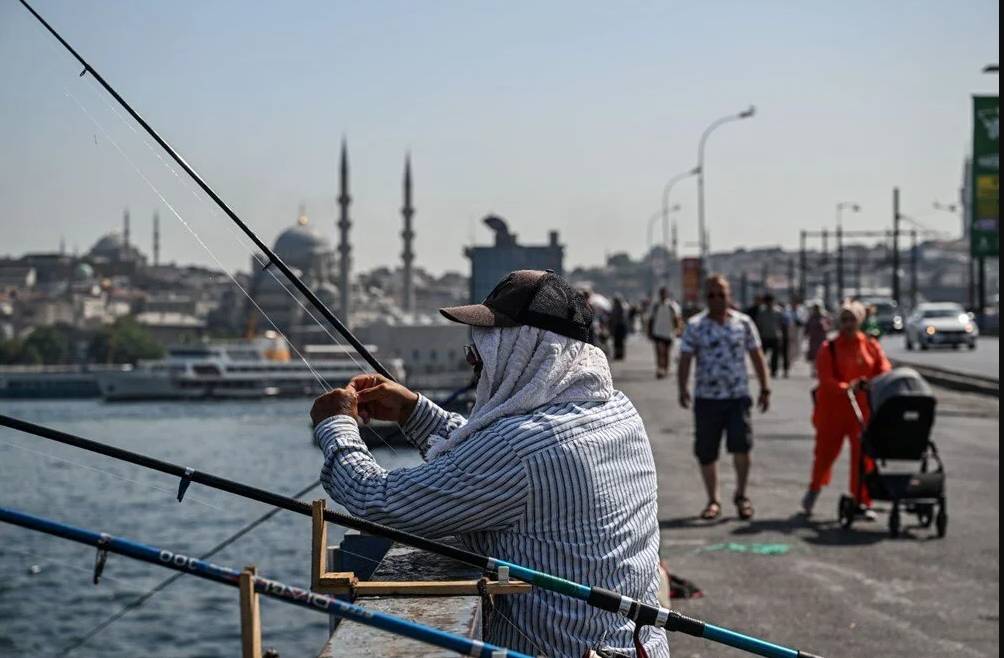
(339, 402)
(859, 384)
(382, 399)
(684, 398)
(763, 401)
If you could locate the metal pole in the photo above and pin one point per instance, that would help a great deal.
(701, 227)
(802, 283)
(981, 291)
(744, 289)
(666, 209)
(895, 245)
(913, 268)
(826, 269)
(791, 280)
(840, 262)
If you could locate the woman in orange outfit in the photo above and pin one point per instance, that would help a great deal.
(858, 358)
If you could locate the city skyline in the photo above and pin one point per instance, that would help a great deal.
(550, 120)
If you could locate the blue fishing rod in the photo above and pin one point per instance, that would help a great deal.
(640, 612)
(271, 588)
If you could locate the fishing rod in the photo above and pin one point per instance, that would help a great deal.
(640, 612)
(304, 598)
(271, 256)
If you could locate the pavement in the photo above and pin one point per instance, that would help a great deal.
(984, 361)
(833, 592)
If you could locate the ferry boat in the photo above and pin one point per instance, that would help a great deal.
(241, 369)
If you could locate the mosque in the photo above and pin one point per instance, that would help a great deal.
(324, 269)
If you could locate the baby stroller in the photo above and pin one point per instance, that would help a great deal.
(899, 430)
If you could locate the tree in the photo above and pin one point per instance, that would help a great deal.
(49, 344)
(125, 341)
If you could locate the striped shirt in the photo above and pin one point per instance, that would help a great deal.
(569, 490)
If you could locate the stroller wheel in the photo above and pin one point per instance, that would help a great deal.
(845, 511)
(941, 521)
(925, 515)
(894, 521)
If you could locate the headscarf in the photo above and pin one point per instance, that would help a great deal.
(526, 368)
(857, 309)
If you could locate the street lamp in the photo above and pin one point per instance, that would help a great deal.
(702, 233)
(990, 68)
(663, 213)
(841, 206)
(665, 201)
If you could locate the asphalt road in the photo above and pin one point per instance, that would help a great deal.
(984, 360)
(835, 592)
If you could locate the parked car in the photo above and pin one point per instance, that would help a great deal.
(887, 314)
(940, 324)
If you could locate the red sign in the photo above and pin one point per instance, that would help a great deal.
(691, 279)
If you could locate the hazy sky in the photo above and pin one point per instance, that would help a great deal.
(565, 115)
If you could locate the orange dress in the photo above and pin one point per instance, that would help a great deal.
(833, 417)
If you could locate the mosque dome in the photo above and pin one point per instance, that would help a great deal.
(109, 246)
(300, 244)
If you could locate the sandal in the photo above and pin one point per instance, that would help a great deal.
(744, 506)
(712, 511)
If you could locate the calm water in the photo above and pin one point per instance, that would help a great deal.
(266, 444)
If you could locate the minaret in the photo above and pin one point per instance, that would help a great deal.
(344, 248)
(408, 211)
(125, 234)
(156, 238)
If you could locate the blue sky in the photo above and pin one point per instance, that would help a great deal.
(563, 115)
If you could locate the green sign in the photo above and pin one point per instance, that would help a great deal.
(985, 177)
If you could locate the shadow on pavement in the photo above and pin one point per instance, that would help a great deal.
(693, 522)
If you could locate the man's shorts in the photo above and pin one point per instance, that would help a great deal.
(712, 417)
(659, 340)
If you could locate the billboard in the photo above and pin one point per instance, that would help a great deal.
(984, 235)
(691, 280)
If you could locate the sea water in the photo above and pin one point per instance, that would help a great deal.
(46, 595)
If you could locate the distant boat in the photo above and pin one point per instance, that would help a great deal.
(236, 369)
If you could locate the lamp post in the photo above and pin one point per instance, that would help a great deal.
(664, 214)
(970, 279)
(841, 206)
(701, 231)
(665, 201)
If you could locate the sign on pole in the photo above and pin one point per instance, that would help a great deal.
(691, 280)
(984, 233)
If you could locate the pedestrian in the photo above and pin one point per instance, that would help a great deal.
(619, 326)
(817, 327)
(871, 325)
(664, 324)
(553, 468)
(720, 338)
(770, 324)
(847, 362)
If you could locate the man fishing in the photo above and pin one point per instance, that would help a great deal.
(552, 469)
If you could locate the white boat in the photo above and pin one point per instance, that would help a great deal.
(248, 368)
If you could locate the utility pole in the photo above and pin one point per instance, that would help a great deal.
(791, 280)
(913, 268)
(895, 244)
(840, 263)
(826, 269)
(802, 283)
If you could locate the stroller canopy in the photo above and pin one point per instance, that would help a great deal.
(897, 383)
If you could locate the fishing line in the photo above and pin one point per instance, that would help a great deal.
(241, 239)
(59, 564)
(195, 235)
(172, 492)
(167, 582)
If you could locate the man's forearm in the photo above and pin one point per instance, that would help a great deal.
(760, 367)
(683, 372)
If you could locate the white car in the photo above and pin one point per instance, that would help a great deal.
(940, 324)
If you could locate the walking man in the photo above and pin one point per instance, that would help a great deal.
(663, 326)
(769, 320)
(719, 338)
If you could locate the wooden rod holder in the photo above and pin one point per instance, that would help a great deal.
(250, 615)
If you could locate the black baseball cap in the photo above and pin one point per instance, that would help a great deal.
(536, 298)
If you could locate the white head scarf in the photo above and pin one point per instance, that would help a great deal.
(526, 368)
